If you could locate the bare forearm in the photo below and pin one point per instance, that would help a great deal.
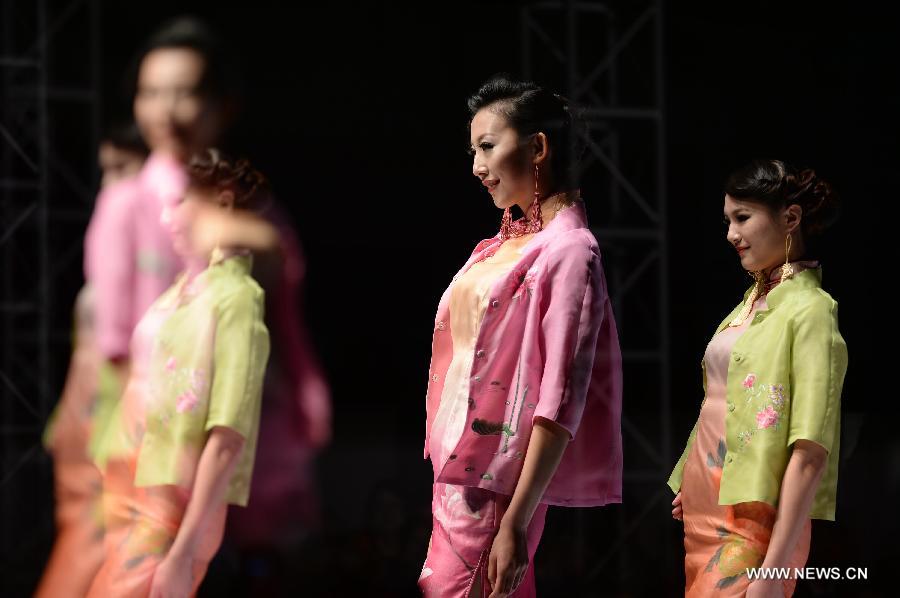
(545, 450)
(217, 462)
(247, 230)
(798, 489)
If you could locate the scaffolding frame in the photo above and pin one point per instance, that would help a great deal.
(588, 70)
(46, 197)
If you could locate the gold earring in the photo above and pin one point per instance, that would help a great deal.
(787, 270)
(216, 255)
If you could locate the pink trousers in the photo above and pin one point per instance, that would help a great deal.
(465, 521)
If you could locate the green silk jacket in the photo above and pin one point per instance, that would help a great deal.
(784, 384)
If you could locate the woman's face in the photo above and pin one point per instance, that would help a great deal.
(502, 161)
(757, 234)
(181, 215)
(172, 112)
(117, 163)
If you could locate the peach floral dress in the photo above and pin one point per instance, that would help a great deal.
(722, 541)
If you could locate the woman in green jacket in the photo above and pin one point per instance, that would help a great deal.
(761, 461)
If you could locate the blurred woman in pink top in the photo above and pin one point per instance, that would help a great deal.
(78, 487)
(524, 398)
(185, 99)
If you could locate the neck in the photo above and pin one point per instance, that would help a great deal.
(551, 203)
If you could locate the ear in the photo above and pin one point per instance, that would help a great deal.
(791, 217)
(226, 199)
(540, 148)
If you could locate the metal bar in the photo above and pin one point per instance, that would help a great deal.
(10, 385)
(17, 223)
(665, 405)
(626, 535)
(17, 308)
(14, 62)
(25, 458)
(604, 112)
(45, 33)
(642, 441)
(642, 356)
(12, 184)
(623, 181)
(44, 296)
(56, 93)
(525, 40)
(614, 52)
(548, 41)
(65, 171)
(4, 132)
(636, 273)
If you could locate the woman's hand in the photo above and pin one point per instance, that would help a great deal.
(173, 578)
(765, 588)
(676, 510)
(508, 561)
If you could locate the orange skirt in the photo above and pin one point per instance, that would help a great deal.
(141, 525)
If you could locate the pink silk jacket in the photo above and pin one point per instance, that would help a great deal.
(547, 347)
(128, 256)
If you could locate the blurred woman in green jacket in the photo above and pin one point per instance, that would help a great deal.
(761, 461)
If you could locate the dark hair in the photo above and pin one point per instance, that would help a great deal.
(125, 135)
(212, 169)
(778, 185)
(220, 74)
(530, 109)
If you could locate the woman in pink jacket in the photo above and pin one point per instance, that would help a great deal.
(524, 394)
(185, 91)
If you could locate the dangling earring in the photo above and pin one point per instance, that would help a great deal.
(535, 218)
(505, 225)
(532, 222)
(216, 255)
(787, 270)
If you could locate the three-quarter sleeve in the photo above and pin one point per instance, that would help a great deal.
(573, 292)
(110, 270)
(241, 349)
(818, 365)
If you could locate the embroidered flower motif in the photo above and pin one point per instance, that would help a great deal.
(776, 394)
(198, 381)
(525, 283)
(770, 401)
(766, 418)
(187, 401)
(171, 364)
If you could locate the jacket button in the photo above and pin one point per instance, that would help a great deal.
(441, 325)
(470, 469)
(477, 378)
(495, 304)
(737, 357)
(731, 406)
(479, 353)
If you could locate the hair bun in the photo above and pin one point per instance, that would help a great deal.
(815, 195)
(212, 169)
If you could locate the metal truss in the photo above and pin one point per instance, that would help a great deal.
(49, 122)
(607, 58)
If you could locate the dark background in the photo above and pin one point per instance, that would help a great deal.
(357, 115)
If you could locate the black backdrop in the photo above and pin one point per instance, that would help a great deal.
(357, 114)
